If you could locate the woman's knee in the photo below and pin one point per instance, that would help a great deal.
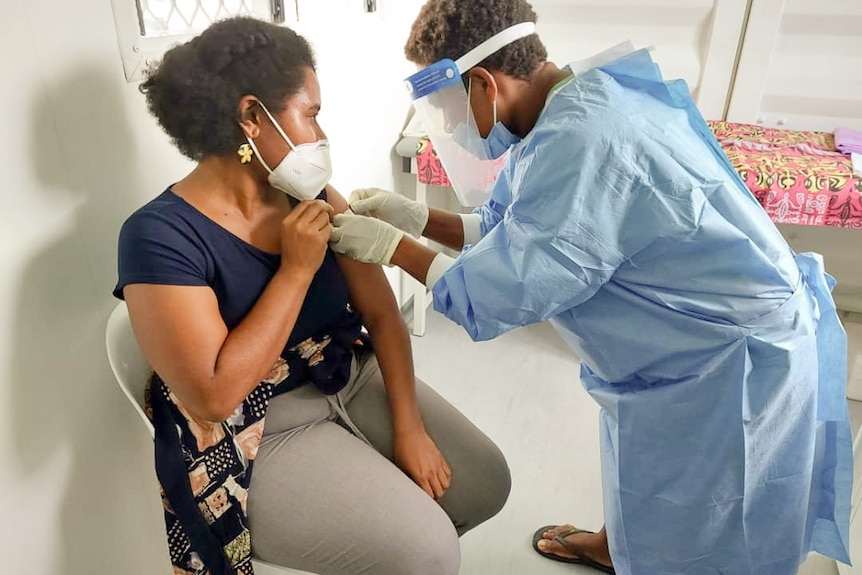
(500, 482)
(490, 483)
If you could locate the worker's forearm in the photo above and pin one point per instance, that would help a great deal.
(445, 228)
(413, 257)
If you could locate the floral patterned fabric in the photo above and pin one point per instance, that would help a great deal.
(429, 170)
(204, 468)
(798, 177)
(205, 514)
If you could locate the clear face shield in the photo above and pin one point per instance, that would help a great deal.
(443, 105)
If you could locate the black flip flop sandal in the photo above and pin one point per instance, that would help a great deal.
(561, 539)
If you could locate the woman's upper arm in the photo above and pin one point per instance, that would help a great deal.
(370, 292)
(336, 200)
(174, 313)
(180, 331)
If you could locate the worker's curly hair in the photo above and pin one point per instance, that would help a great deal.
(450, 28)
(195, 90)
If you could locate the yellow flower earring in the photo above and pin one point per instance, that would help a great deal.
(245, 153)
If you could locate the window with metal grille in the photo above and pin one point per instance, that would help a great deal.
(165, 17)
(147, 28)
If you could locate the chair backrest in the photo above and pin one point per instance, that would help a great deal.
(127, 362)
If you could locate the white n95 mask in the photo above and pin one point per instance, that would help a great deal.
(304, 171)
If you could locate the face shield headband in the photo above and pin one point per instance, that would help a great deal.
(442, 104)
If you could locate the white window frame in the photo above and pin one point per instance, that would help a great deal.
(138, 51)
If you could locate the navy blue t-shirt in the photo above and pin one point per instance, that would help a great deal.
(170, 242)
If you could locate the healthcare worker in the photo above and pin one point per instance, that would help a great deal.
(715, 352)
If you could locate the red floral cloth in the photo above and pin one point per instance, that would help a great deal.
(798, 177)
(429, 170)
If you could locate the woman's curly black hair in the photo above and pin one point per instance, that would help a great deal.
(450, 28)
(195, 90)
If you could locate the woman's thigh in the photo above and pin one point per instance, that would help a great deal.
(480, 475)
(323, 501)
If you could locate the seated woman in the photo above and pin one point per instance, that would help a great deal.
(244, 313)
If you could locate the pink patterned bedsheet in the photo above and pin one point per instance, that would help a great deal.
(798, 177)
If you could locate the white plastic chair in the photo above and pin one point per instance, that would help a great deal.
(132, 372)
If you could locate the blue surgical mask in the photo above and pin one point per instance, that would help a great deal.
(499, 139)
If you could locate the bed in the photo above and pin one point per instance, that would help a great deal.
(797, 176)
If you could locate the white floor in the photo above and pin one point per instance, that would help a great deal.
(523, 391)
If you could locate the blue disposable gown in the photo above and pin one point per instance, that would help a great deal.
(715, 352)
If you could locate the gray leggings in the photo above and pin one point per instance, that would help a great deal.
(322, 500)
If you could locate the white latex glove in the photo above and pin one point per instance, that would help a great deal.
(364, 239)
(404, 214)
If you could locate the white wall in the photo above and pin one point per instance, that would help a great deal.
(695, 40)
(800, 65)
(365, 104)
(78, 154)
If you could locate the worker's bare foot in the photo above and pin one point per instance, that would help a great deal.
(578, 544)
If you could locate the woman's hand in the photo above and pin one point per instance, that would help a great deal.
(304, 236)
(417, 455)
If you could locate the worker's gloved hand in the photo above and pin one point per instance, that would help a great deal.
(404, 214)
(364, 239)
